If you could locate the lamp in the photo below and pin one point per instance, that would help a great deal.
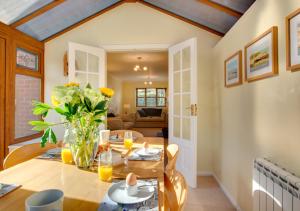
(126, 108)
(139, 67)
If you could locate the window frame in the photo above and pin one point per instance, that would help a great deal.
(145, 97)
(39, 74)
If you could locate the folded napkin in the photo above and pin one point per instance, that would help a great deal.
(135, 156)
(7, 188)
(151, 204)
(49, 156)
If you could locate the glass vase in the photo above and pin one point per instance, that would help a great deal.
(83, 142)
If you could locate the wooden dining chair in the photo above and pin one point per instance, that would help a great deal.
(175, 191)
(172, 154)
(26, 152)
(121, 133)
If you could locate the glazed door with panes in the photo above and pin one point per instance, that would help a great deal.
(87, 64)
(183, 106)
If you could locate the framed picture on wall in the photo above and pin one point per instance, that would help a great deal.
(27, 60)
(293, 41)
(233, 70)
(261, 56)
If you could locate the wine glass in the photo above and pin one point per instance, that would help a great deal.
(128, 142)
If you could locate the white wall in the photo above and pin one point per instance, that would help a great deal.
(116, 102)
(259, 119)
(134, 23)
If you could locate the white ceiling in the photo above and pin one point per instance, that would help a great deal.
(120, 65)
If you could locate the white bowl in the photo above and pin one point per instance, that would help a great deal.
(47, 200)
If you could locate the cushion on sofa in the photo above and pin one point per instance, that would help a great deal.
(152, 111)
(111, 115)
(142, 113)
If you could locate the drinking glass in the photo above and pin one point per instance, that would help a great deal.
(104, 136)
(128, 141)
(105, 166)
(66, 154)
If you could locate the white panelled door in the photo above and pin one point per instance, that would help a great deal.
(183, 106)
(87, 64)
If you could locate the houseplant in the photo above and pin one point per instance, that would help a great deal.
(82, 110)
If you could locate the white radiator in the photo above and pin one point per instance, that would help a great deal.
(274, 188)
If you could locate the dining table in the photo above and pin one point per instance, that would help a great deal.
(83, 190)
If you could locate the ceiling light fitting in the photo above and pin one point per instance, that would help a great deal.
(138, 67)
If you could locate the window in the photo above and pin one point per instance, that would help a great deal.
(151, 97)
(28, 86)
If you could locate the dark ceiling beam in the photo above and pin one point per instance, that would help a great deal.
(222, 8)
(201, 26)
(37, 13)
(85, 20)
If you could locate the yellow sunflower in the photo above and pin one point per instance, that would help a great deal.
(54, 101)
(107, 92)
(72, 84)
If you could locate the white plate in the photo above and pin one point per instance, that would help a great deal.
(55, 151)
(150, 152)
(118, 193)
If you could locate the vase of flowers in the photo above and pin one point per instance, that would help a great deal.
(82, 111)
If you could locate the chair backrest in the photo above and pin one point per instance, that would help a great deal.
(24, 153)
(172, 154)
(121, 133)
(175, 191)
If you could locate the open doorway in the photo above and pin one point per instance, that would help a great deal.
(177, 112)
(140, 81)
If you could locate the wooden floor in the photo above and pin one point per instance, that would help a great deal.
(207, 197)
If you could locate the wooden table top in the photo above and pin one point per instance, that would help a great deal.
(82, 189)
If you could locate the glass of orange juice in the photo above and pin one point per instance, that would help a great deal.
(128, 140)
(66, 155)
(105, 166)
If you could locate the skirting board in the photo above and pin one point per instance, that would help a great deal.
(226, 192)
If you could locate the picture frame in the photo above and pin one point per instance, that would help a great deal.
(233, 70)
(292, 22)
(261, 56)
(27, 60)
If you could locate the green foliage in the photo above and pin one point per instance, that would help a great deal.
(81, 107)
(88, 104)
(100, 106)
(48, 136)
(40, 108)
(40, 125)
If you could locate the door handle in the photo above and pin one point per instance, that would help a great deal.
(193, 108)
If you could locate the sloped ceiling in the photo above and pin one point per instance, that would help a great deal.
(44, 19)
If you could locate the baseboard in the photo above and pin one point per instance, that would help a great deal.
(204, 173)
(228, 195)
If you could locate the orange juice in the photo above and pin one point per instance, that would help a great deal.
(105, 173)
(66, 156)
(128, 143)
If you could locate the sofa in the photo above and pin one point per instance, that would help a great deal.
(151, 117)
(124, 122)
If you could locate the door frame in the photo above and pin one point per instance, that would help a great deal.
(134, 47)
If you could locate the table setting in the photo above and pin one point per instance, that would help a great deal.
(126, 174)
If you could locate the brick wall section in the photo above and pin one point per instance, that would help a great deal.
(27, 89)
